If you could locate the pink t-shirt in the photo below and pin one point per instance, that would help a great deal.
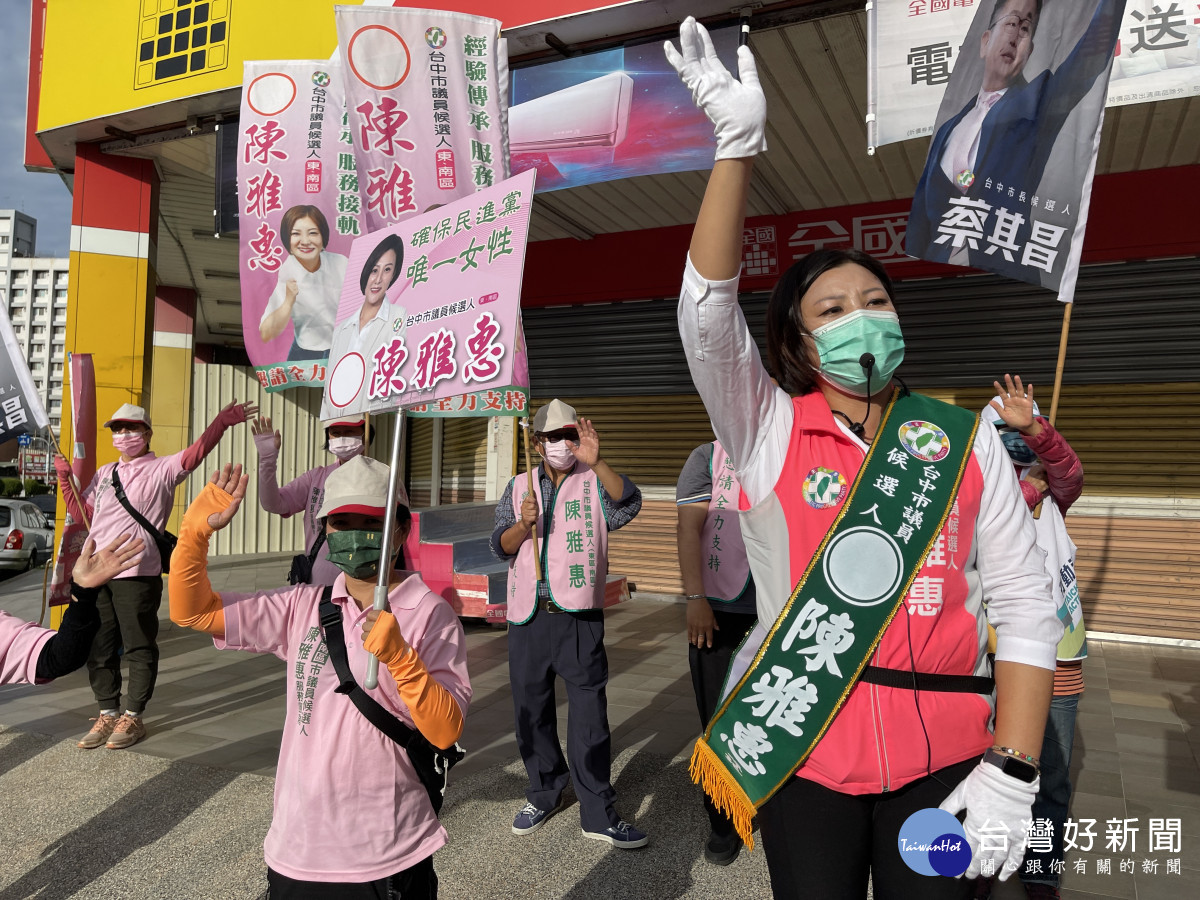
(149, 482)
(348, 805)
(21, 643)
(304, 493)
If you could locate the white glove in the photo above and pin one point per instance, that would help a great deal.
(999, 805)
(738, 109)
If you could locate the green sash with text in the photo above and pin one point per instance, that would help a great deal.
(837, 613)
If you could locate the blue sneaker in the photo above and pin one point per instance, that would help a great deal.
(621, 835)
(529, 819)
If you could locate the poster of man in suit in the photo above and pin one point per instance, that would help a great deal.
(1008, 178)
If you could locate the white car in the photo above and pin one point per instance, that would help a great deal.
(26, 538)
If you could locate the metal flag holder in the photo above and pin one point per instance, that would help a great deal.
(389, 529)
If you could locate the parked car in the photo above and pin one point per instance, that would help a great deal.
(26, 538)
(47, 503)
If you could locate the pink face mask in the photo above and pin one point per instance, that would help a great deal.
(131, 443)
(558, 454)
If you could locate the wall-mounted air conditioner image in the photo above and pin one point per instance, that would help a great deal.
(591, 115)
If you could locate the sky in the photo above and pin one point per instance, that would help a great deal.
(41, 195)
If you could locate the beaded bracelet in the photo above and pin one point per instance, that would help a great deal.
(1009, 751)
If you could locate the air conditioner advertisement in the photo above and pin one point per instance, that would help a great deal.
(613, 114)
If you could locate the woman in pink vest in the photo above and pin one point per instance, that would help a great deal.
(720, 597)
(891, 750)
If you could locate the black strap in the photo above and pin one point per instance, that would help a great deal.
(312, 554)
(137, 516)
(927, 681)
(335, 642)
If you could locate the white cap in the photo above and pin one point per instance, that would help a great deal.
(553, 416)
(359, 485)
(129, 413)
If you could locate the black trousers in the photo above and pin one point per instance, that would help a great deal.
(569, 645)
(709, 665)
(128, 610)
(417, 882)
(823, 844)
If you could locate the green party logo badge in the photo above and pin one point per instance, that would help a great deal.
(823, 488)
(924, 440)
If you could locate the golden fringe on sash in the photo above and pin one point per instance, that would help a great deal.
(727, 795)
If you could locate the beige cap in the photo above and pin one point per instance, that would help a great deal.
(129, 413)
(359, 486)
(553, 416)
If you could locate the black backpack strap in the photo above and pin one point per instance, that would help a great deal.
(335, 642)
(316, 547)
(124, 501)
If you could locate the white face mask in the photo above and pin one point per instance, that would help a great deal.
(345, 448)
(558, 454)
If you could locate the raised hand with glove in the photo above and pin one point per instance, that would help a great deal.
(736, 106)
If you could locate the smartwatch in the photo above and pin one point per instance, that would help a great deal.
(1010, 765)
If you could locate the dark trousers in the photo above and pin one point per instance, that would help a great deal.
(709, 665)
(128, 610)
(823, 844)
(1054, 794)
(570, 645)
(417, 882)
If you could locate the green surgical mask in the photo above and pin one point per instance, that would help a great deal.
(357, 553)
(841, 345)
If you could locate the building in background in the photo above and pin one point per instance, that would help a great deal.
(36, 288)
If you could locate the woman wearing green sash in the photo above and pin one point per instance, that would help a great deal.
(876, 522)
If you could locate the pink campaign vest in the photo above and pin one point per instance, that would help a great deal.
(876, 742)
(577, 552)
(726, 569)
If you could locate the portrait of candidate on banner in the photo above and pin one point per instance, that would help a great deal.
(430, 308)
(1008, 177)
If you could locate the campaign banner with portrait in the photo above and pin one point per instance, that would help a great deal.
(431, 307)
(613, 114)
(299, 212)
(913, 46)
(83, 469)
(21, 410)
(424, 102)
(1007, 181)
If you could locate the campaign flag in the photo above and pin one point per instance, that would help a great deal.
(1008, 178)
(431, 307)
(424, 102)
(913, 46)
(83, 469)
(21, 410)
(299, 212)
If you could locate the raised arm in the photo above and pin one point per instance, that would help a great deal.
(194, 604)
(73, 495)
(233, 414)
(1089, 59)
(291, 498)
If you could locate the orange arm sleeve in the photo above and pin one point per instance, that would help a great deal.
(194, 604)
(435, 712)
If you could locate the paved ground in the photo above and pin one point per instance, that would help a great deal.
(184, 813)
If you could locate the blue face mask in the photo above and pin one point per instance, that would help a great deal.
(842, 343)
(1018, 450)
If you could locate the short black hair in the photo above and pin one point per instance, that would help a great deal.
(391, 242)
(787, 355)
(1000, 4)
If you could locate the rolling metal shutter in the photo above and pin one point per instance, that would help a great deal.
(464, 460)
(420, 460)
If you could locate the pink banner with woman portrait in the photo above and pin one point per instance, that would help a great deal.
(431, 307)
(299, 211)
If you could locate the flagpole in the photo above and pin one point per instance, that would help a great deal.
(537, 559)
(389, 529)
(1062, 359)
